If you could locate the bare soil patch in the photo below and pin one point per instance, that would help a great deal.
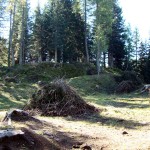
(50, 133)
(98, 136)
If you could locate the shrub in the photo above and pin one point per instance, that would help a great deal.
(106, 82)
(131, 76)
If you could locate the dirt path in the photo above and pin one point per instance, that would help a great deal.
(68, 132)
(98, 137)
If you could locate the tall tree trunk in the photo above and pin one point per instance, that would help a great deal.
(128, 59)
(104, 60)
(40, 56)
(98, 41)
(56, 55)
(10, 39)
(110, 60)
(98, 58)
(136, 53)
(85, 32)
(21, 55)
(12, 48)
(56, 36)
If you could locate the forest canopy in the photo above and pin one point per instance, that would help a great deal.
(70, 31)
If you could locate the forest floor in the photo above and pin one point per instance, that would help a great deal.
(94, 131)
(122, 124)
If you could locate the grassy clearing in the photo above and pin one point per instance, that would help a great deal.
(127, 111)
(122, 111)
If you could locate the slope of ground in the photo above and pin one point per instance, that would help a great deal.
(44, 71)
(123, 122)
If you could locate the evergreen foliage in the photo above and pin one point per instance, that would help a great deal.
(61, 33)
(116, 50)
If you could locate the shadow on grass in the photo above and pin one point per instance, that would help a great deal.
(6, 103)
(17, 95)
(120, 102)
(125, 104)
(20, 91)
(109, 121)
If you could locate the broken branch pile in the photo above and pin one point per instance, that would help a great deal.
(59, 99)
(125, 87)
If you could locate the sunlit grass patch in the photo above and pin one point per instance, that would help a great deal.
(122, 110)
(14, 95)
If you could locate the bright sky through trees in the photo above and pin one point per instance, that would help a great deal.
(137, 14)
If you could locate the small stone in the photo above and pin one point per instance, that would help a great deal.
(124, 132)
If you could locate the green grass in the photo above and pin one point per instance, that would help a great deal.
(126, 110)
(14, 95)
(105, 83)
(44, 71)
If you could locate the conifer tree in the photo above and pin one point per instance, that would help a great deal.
(37, 33)
(116, 50)
(136, 44)
(104, 11)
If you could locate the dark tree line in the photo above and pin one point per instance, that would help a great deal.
(59, 32)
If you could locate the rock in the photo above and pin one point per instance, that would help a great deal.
(124, 132)
(16, 114)
(10, 133)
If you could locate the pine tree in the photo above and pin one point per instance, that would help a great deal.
(85, 30)
(103, 24)
(37, 33)
(12, 24)
(24, 32)
(128, 48)
(116, 50)
(64, 31)
(18, 31)
(144, 62)
(136, 44)
(12, 10)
